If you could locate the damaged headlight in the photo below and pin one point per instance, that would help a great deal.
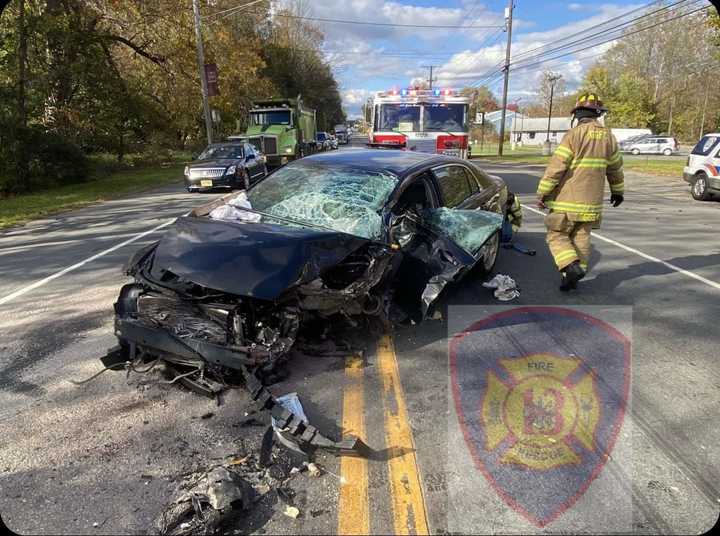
(231, 170)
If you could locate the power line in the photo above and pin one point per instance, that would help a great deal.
(614, 29)
(366, 23)
(523, 63)
(233, 9)
(623, 36)
(526, 52)
(491, 36)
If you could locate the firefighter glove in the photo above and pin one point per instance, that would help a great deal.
(616, 199)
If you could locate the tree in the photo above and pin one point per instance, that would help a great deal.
(654, 79)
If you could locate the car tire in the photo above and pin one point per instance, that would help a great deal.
(667, 152)
(635, 151)
(489, 253)
(699, 189)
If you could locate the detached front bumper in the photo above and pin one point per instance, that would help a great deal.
(158, 341)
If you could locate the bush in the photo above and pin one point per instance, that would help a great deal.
(55, 160)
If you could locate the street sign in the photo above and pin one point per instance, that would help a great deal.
(211, 75)
(480, 118)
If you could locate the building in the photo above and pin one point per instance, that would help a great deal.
(532, 131)
(493, 118)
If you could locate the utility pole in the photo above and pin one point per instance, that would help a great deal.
(552, 78)
(513, 132)
(702, 121)
(201, 67)
(430, 80)
(508, 26)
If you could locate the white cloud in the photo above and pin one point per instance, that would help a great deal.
(366, 56)
(471, 66)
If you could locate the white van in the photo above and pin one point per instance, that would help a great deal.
(702, 170)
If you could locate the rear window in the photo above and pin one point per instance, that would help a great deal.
(706, 145)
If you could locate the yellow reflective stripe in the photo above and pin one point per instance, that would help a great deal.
(565, 256)
(617, 157)
(588, 216)
(588, 163)
(617, 187)
(565, 206)
(584, 266)
(564, 152)
(546, 186)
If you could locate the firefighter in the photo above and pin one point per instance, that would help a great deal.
(573, 185)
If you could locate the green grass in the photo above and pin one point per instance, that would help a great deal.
(656, 166)
(26, 207)
(650, 165)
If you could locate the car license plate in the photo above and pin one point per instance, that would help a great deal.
(206, 183)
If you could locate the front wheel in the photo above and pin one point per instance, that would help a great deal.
(699, 188)
(667, 152)
(635, 152)
(489, 253)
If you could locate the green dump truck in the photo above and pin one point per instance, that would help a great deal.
(282, 129)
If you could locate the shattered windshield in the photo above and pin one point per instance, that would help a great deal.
(443, 116)
(344, 199)
(221, 151)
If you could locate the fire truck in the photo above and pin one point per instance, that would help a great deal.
(424, 120)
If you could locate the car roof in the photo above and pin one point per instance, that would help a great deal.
(395, 161)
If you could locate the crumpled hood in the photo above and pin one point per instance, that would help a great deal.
(251, 259)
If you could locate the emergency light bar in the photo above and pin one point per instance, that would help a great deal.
(412, 92)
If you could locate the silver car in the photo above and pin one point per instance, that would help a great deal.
(653, 145)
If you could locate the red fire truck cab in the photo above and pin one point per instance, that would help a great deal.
(424, 120)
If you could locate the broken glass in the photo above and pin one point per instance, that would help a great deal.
(469, 229)
(347, 200)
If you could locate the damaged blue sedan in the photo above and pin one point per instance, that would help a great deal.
(355, 236)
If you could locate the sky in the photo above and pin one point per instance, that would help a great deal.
(369, 58)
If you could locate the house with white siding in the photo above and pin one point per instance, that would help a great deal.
(533, 131)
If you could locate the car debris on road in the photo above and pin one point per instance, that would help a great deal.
(360, 238)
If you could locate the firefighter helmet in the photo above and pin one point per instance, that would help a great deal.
(589, 101)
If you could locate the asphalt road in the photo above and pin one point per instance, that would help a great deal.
(105, 457)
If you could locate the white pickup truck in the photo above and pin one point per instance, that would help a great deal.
(702, 169)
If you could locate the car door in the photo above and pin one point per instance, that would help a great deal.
(252, 163)
(449, 239)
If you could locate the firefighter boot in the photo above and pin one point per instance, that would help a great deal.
(571, 274)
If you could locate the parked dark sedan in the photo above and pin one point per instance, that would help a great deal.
(359, 234)
(225, 165)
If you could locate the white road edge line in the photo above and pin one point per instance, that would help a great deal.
(64, 271)
(672, 267)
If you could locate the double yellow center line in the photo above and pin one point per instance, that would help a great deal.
(408, 505)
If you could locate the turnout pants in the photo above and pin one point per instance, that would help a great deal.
(569, 241)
